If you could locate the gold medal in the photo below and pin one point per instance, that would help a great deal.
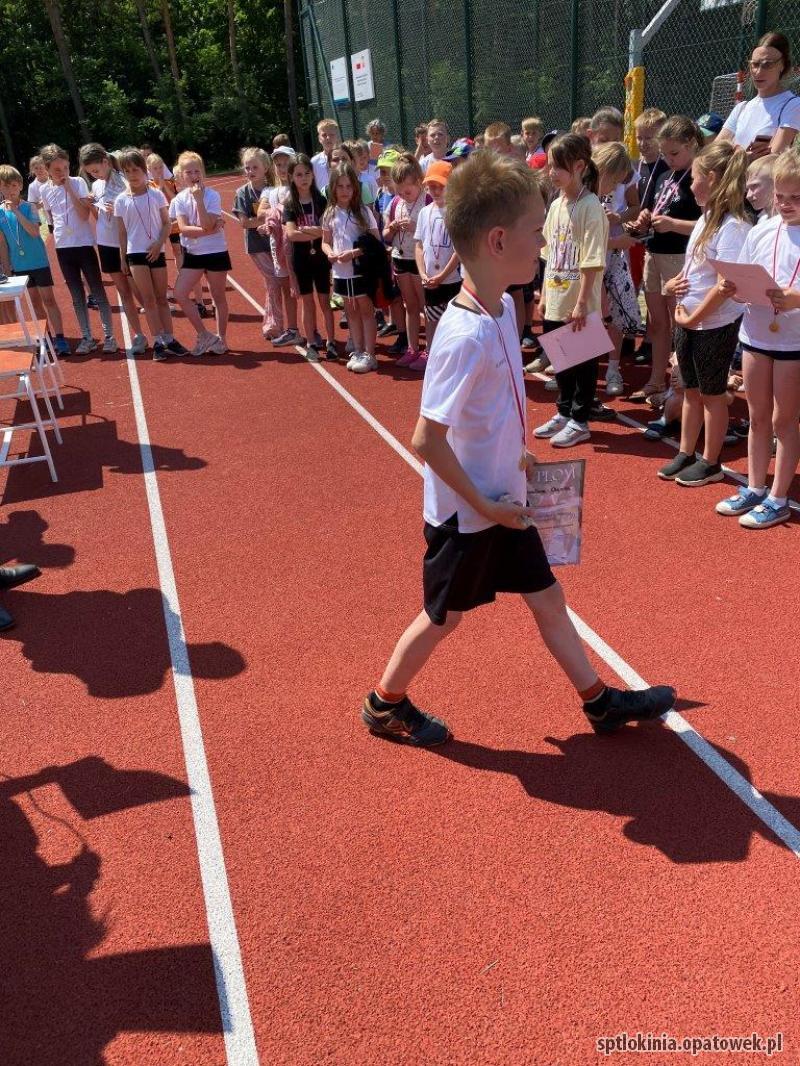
(773, 326)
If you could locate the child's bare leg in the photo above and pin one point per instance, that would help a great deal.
(560, 636)
(413, 650)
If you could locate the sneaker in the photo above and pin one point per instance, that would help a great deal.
(550, 370)
(343, 322)
(331, 351)
(110, 346)
(744, 500)
(700, 473)
(731, 437)
(551, 427)
(88, 344)
(289, 336)
(598, 412)
(366, 362)
(420, 363)
(139, 344)
(160, 353)
(618, 706)
(572, 433)
(408, 357)
(399, 347)
(645, 354)
(403, 722)
(176, 348)
(312, 353)
(538, 365)
(318, 342)
(741, 427)
(388, 329)
(352, 362)
(61, 345)
(551, 385)
(766, 514)
(91, 302)
(204, 343)
(681, 462)
(219, 347)
(527, 341)
(659, 429)
(614, 383)
(203, 311)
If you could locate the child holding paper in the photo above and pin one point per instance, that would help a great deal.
(770, 337)
(471, 434)
(706, 321)
(576, 232)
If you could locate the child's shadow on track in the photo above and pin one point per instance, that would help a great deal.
(670, 799)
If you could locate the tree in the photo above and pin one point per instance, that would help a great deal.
(173, 60)
(53, 8)
(148, 39)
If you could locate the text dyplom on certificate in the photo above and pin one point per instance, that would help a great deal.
(555, 494)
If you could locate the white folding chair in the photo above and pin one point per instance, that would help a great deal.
(21, 365)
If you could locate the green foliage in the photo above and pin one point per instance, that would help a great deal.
(123, 100)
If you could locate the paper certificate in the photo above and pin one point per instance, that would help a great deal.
(751, 281)
(566, 347)
(555, 493)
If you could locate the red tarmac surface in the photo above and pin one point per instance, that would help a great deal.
(504, 900)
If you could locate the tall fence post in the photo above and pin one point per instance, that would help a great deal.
(574, 52)
(347, 48)
(468, 66)
(535, 52)
(761, 20)
(398, 54)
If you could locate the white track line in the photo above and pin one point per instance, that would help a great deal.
(237, 1023)
(736, 782)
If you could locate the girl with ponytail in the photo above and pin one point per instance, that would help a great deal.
(576, 234)
(707, 321)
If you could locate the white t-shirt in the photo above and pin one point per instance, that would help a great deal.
(345, 231)
(725, 244)
(185, 205)
(760, 248)
(763, 116)
(437, 248)
(106, 192)
(69, 229)
(369, 179)
(403, 240)
(142, 217)
(468, 388)
(167, 173)
(35, 191)
(173, 214)
(322, 170)
(276, 196)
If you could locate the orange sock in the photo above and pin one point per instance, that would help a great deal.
(591, 693)
(388, 697)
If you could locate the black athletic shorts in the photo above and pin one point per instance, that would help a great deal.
(442, 294)
(405, 266)
(351, 288)
(38, 277)
(705, 357)
(213, 262)
(464, 570)
(109, 259)
(313, 273)
(139, 259)
(779, 356)
(174, 238)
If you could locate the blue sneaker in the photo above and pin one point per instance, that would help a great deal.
(766, 514)
(742, 502)
(61, 345)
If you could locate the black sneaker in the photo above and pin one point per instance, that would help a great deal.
(403, 722)
(388, 329)
(618, 706)
(681, 462)
(176, 348)
(659, 429)
(645, 354)
(399, 346)
(160, 352)
(700, 473)
(600, 413)
(331, 351)
(741, 427)
(628, 348)
(203, 311)
(91, 302)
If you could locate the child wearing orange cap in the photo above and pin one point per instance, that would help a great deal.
(437, 260)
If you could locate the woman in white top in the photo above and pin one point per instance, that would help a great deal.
(770, 121)
(707, 322)
(107, 185)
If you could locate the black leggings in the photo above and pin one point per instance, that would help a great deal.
(73, 263)
(575, 386)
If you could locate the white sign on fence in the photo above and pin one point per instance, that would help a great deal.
(339, 81)
(363, 86)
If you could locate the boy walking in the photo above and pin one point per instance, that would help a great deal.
(471, 434)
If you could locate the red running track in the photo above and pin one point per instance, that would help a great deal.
(507, 899)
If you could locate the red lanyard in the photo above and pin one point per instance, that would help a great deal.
(486, 311)
(775, 261)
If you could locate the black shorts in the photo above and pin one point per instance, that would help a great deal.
(779, 356)
(212, 262)
(174, 238)
(527, 291)
(350, 288)
(109, 259)
(38, 277)
(313, 272)
(705, 356)
(405, 266)
(464, 570)
(139, 259)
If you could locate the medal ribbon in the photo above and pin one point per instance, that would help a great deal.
(775, 268)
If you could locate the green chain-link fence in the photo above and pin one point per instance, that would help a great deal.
(472, 62)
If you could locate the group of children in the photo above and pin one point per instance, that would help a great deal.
(119, 227)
